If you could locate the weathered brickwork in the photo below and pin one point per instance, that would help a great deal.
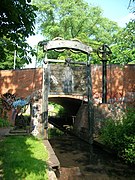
(120, 80)
(120, 83)
(121, 93)
(20, 82)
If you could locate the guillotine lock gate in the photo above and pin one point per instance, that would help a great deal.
(63, 79)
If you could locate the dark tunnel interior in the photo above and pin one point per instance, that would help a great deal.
(71, 105)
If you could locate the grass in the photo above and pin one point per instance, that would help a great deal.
(23, 158)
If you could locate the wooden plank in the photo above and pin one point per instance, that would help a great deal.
(16, 134)
(17, 131)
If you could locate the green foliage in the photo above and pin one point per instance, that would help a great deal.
(4, 123)
(124, 43)
(120, 135)
(59, 18)
(58, 109)
(54, 132)
(17, 20)
(23, 158)
(129, 151)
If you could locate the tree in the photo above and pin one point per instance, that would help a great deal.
(131, 5)
(124, 43)
(17, 18)
(75, 19)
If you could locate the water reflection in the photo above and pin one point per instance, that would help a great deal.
(79, 160)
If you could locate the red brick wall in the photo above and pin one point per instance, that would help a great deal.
(20, 82)
(121, 92)
(120, 81)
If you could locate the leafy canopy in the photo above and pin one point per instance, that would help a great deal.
(124, 41)
(124, 45)
(17, 18)
(75, 19)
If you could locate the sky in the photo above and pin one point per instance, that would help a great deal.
(115, 10)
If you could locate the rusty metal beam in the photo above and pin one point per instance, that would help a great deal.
(67, 44)
(45, 92)
(90, 102)
(63, 61)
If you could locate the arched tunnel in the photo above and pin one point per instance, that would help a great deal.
(71, 106)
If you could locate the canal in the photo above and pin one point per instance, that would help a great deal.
(81, 161)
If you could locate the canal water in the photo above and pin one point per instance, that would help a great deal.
(81, 161)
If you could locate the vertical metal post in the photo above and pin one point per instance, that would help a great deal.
(45, 92)
(104, 82)
(90, 102)
(103, 52)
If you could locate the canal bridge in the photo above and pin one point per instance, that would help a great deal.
(70, 84)
(66, 79)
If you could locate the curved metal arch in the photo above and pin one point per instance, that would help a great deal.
(67, 44)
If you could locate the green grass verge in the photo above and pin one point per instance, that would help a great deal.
(23, 158)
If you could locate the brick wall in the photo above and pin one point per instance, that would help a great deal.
(120, 82)
(121, 92)
(20, 82)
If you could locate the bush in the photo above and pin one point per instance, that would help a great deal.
(129, 151)
(119, 135)
(4, 123)
(54, 132)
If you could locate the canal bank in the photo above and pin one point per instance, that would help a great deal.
(82, 161)
(53, 162)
